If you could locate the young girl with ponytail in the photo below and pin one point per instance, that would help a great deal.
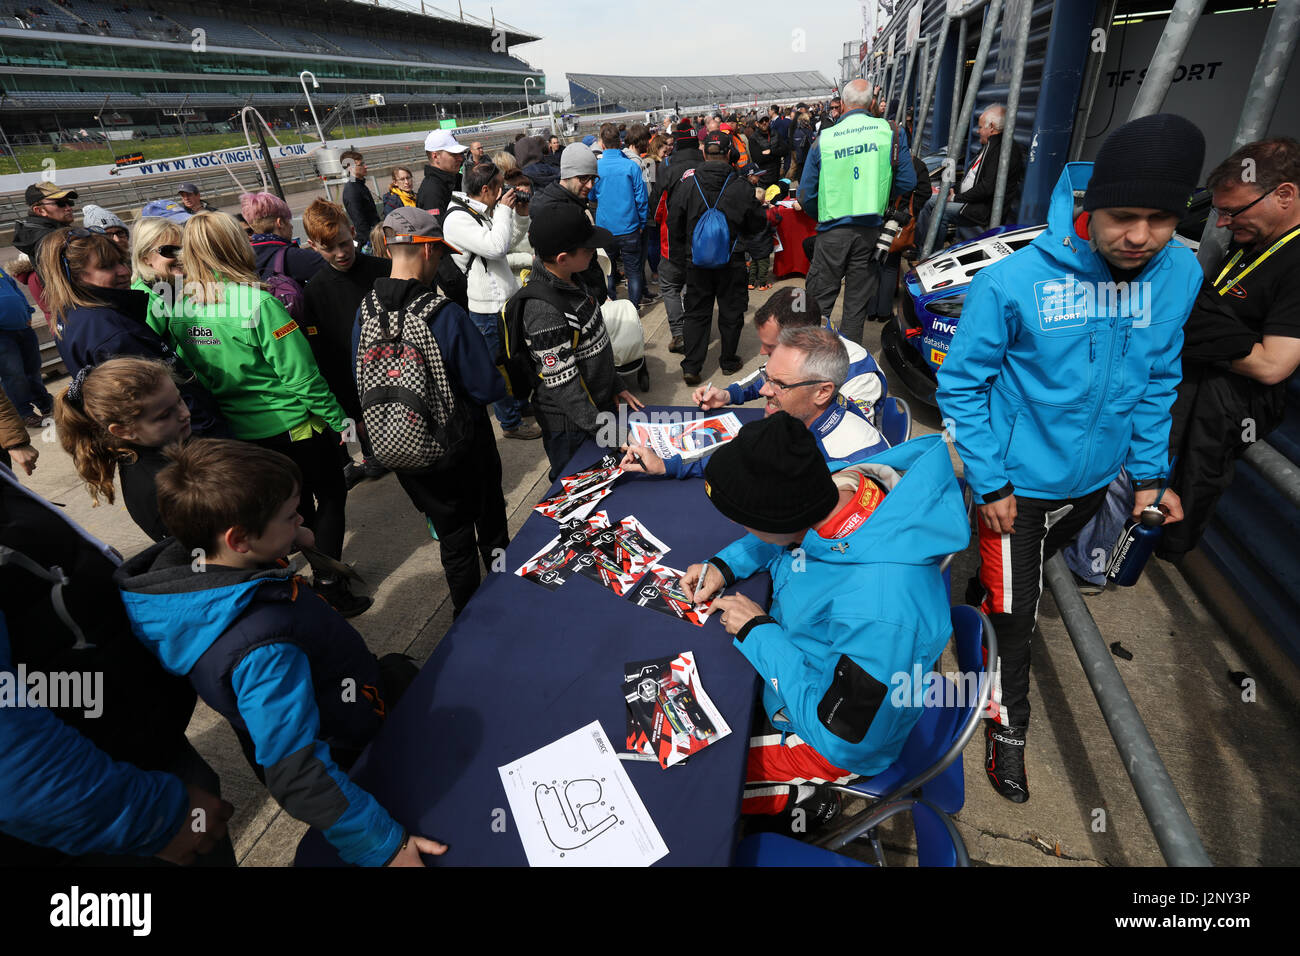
(120, 415)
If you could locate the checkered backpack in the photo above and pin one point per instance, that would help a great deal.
(411, 414)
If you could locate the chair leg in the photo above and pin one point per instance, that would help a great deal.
(874, 837)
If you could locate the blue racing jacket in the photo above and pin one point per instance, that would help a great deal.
(843, 432)
(1057, 375)
(851, 614)
(291, 676)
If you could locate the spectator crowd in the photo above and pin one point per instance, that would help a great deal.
(222, 366)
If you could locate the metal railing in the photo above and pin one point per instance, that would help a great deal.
(1275, 468)
(1164, 809)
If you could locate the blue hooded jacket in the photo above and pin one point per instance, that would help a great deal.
(291, 676)
(850, 614)
(1056, 375)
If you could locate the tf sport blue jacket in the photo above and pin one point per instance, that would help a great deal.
(851, 614)
(1058, 375)
(292, 677)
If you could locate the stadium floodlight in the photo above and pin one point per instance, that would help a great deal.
(662, 91)
(527, 106)
(600, 107)
(302, 78)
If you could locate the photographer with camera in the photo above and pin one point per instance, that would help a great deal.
(483, 224)
(852, 171)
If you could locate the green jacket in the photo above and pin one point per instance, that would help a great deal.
(253, 357)
(156, 317)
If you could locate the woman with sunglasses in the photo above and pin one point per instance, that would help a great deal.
(98, 316)
(156, 268)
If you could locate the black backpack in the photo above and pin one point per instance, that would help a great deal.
(412, 415)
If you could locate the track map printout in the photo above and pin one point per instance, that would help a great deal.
(573, 805)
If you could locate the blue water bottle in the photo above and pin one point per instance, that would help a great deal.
(1134, 547)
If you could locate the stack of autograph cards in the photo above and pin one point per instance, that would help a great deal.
(582, 491)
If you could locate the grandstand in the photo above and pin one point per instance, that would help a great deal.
(60, 59)
(647, 92)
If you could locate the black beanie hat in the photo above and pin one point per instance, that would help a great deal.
(685, 136)
(771, 477)
(1152, 162)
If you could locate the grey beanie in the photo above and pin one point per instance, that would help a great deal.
(577, 160)
(97, 216)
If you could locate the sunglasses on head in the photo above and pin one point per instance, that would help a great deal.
(77, 232)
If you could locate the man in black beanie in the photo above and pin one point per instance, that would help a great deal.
(1062, 371)
(857, 600)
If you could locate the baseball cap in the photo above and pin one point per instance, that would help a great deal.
(411, 224)
(752, 170)
(39, 192)
(187, 188)
(717, 142)
(441, 141)
(565, 228)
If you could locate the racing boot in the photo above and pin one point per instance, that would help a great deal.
(1004, 760)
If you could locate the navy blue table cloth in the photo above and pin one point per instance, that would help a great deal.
(523, 666)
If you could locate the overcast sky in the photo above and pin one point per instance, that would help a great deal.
(677, 37)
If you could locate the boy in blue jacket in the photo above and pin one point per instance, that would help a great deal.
(860, 599)
(297, 684)
(1062, 370)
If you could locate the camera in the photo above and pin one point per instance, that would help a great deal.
(891, 221)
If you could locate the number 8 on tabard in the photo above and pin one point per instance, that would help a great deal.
(856, 172)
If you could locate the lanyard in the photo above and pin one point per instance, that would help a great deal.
(1251, 268)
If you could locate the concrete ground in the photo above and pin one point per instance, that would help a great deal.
(1227, 756)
